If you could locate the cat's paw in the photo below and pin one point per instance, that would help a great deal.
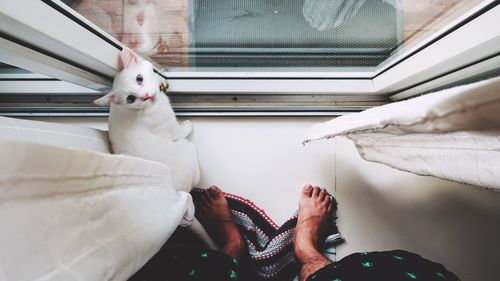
(183, 130)
(187, 126)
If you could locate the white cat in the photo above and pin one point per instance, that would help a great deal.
(143, 124)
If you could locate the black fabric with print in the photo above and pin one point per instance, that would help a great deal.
(397, 265)
(180, 263)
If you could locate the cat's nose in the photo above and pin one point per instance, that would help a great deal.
(147, 97)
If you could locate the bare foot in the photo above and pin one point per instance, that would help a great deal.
(315, 208)
(213, 212)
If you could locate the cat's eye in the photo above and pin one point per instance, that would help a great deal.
(131, 99)
(139, 79)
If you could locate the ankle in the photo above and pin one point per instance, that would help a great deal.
(305, 251)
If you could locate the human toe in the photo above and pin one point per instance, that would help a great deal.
(316, 191)
(206, 197)
(215, 192)
(323, 194)
(330, 205)
(307, 190)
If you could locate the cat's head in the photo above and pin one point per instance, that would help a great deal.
(136, 86)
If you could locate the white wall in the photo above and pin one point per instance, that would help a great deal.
(260, 158)
(379, 208)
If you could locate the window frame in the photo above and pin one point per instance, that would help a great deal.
(71, 48)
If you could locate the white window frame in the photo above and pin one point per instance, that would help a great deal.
(50, 38)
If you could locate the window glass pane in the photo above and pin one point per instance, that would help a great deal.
(422, 19)
(271, 35)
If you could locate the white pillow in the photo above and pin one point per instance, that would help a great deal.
(453, 134)
(473, 107)
(55, 134)
(465, 157)
(79, 215)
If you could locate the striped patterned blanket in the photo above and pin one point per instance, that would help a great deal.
(270, 246)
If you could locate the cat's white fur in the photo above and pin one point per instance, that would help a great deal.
(148, 128)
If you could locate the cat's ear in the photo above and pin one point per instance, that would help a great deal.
(106, 100)
(129, 57)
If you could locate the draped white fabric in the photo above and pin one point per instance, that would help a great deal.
(453, 134)
(69, 214)
(56, 134)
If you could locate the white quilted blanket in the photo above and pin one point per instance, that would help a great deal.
(453, 134)
(70, 214)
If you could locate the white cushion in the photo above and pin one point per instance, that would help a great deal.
(466, 157)
(453, 134)
(473, 107)
(56, 134)
(70, 214)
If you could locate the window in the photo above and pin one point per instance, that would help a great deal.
(39, 94)
(271, 36)
(263, 56)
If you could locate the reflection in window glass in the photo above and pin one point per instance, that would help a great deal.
(271, 35)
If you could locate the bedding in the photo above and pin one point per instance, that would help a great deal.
(55, 134)
(70, 214)
(452, 134)
(466, 157)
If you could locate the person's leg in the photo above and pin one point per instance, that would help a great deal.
(213, 212)
(181, 262)
(315, 208)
